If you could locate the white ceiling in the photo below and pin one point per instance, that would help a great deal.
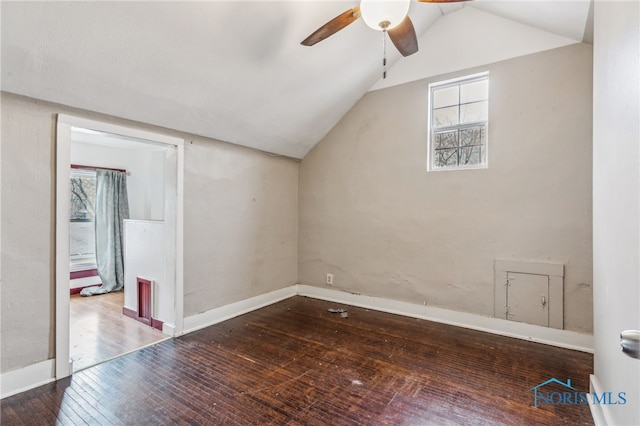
(235, 70)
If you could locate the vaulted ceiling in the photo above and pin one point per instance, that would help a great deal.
(236, 71)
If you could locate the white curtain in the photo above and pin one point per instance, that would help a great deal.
(112, 207)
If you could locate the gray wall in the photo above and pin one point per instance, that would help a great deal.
(240, 225)
(373, 216)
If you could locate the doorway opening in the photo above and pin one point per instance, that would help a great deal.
(98, 327)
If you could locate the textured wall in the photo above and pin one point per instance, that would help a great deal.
(373, 216)
(240, 225)
(27, 310)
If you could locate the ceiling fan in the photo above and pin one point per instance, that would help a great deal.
(388, 16)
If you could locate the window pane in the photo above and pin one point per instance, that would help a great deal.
(446, 157)
(472, 136)
(445, 97)
(81, 229)
(445, 117)
(473, 112)
(476, 91)
(82, 240)
(446, 140)
(471, 155)
(83, 195)
(459, 114)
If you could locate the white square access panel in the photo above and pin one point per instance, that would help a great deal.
(529, 292)
(527, 298)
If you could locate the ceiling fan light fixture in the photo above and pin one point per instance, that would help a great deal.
(383, 15)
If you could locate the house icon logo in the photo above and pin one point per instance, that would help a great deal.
(537, 392)
(570, 396)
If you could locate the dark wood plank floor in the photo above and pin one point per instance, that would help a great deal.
(295, 363)
(99, 331)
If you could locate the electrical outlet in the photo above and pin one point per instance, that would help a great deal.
(330, 279)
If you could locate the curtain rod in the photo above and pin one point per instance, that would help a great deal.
(79, 166)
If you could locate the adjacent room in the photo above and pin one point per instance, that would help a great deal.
(311, 212)
(119, 299)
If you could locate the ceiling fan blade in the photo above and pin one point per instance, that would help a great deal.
(404, 37)
(332, 27)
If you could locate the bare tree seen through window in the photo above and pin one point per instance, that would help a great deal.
(82, 214)
(459, 119)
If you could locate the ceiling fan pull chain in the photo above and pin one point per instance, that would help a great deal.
(384, 54)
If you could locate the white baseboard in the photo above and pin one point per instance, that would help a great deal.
(534, 333)
(599, 412)
(31, 376)
(38, 374)
(169, 329)
(216, 315)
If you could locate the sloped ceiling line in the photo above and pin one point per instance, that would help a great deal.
(235, 71)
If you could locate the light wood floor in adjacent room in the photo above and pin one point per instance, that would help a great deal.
(295, 363)
(99, 330)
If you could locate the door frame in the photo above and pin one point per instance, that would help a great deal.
(65, 123)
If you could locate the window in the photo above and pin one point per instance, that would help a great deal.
(82, 237)
(458, 120)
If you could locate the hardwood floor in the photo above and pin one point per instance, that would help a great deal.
(99, 331)
(295, 363)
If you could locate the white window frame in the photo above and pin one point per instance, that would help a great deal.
(431, 130)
